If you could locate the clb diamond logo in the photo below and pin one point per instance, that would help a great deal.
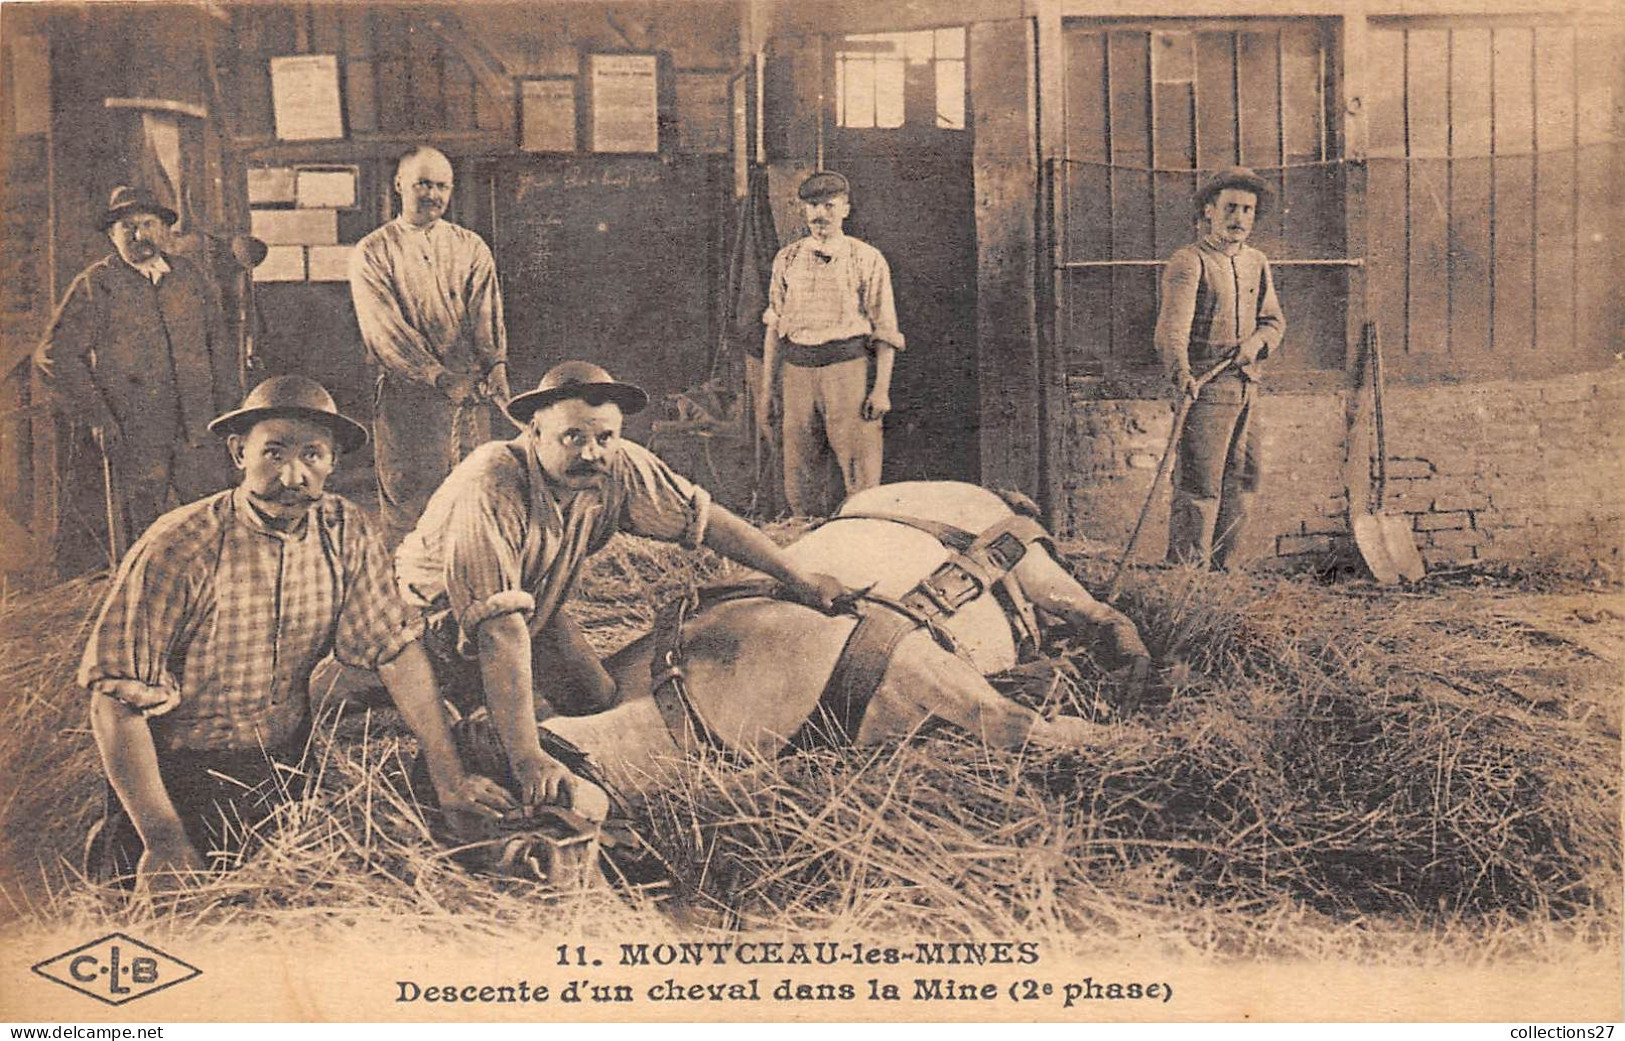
(116, 969)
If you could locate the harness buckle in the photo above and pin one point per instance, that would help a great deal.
(1006, 551)
(951, 587)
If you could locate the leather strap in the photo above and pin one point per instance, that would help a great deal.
(853, 682)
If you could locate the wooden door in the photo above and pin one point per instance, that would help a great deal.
(900, 132)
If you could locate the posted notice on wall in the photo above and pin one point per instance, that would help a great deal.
(625, 105)
(305, 97)
(547, 115)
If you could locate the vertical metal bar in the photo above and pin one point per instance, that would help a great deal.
(1280, 107)
(1534, 186)
(1574, 199)
(1151, 150)
(1449, 190)
(1320, 93)
(1495, 162)
(1404, 111)
(823, 93)
(1235, 89)
(1280, 125)
(1196, 108)
(1405, 120)
(1111, 189)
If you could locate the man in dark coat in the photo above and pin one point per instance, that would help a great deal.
(138, 353)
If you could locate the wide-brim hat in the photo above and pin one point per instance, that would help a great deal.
(292, 397)
(126, 200)
(1240, 177)
(825, 184)
(577, 379)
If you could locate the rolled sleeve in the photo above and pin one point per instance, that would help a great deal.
(374, 623)
(139, 627)
(484, 555)
(659, 502)
(879, 305)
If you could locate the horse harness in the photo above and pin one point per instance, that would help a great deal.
(977, 563)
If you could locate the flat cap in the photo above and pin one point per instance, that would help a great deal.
(824, 184)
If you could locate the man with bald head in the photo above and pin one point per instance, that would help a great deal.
(430, 310)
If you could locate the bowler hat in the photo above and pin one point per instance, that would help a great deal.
(294, 397)
(1236, 177)
(126, 200)
(824, 184)
(577, 379)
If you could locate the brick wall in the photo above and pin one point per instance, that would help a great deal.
(1495, 470)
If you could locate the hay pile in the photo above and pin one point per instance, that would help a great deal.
(1327, 764)
(1321, 753)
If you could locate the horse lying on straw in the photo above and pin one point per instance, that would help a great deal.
(955, 581)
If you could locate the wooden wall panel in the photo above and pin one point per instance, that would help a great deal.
(1085, 204)
(1470, 199)
(1513, 188)
(1134, 293)
(1216, 144)
(1554, 190)
(1386, 252)
(1600, 307)
(1427, 100)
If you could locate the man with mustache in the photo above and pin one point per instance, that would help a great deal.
(139, 356)
(200, 660)
(1218, 305)
(501, 543)
(430, 310)
(831, 320)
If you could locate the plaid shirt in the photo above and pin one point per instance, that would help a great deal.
(826, 291)
(226, 617)
(495, 539)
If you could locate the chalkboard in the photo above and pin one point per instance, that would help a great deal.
(612, 259)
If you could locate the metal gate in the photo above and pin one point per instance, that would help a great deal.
(1151, 108)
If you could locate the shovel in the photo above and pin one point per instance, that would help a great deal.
(1384, 539)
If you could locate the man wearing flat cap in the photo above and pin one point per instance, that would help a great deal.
(138, 356)
(200, 660)
(1218, 308)
(503, 540)
(832, 323)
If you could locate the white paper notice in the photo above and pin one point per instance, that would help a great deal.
(625, 102)
(548, 116)
(282, 264)
(330, 263)
(305, 97)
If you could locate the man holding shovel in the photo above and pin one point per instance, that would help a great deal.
(1218, 309)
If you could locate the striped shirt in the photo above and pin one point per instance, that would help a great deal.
(225, 617)
(497, 537)
(813, 300)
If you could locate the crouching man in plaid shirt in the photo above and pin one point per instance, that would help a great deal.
(200, 661)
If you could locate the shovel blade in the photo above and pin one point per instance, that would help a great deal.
(1401, 543)
(1373, 545)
